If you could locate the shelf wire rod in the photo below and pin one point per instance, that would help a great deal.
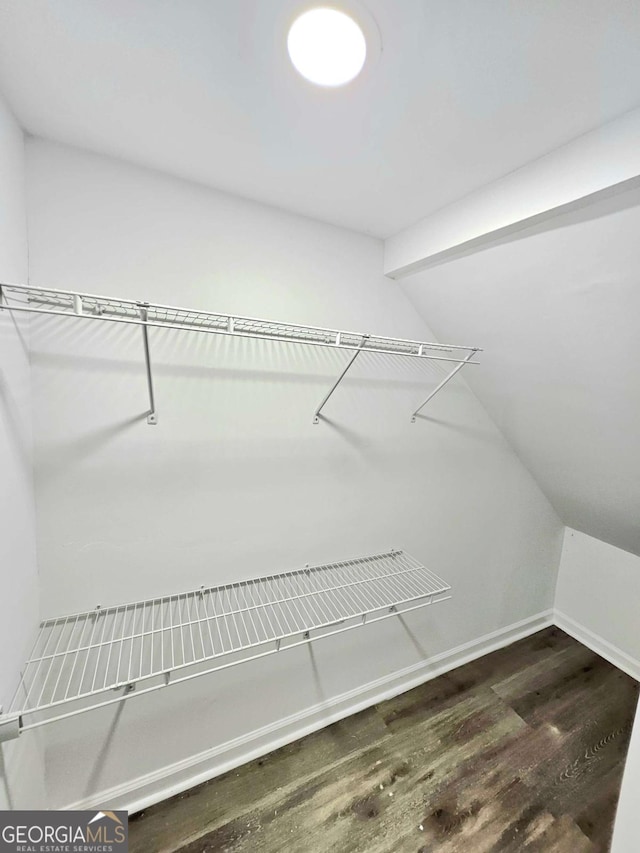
(286, 603)
(170, 654)
(355, 583)
(312, 607)
(180, 631)
(141, 656)
(348, 597)
(384, 588)
(131, 640)
(218, 617)
(243, 615)
(433, 579)
(303, 605)
(22, 684)
(410, 582)
(229, 619)
(348, 593)
(205, 611)
(447, 378)
(213, 609)
(316, 416)
(189, 628)
(46, 677)
(407, 587)
(241, 620)
(256, 617)
(194, 608)
(121, 643)
(64, 658)
(196, 628)
(91, 622)
(341, 601)
(158, 642)
(335, 598)
(115, 617)
(382, 582)
(30, 677)
(309, 603)
(99, 650)
(268, 632)
(270, 612)
(257, 631)
(238, 617)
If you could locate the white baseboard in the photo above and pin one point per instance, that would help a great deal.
(598, 644)
(145, 791)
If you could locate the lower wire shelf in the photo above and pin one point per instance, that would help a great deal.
(144, 646)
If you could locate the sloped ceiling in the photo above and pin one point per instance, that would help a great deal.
(463, 92)
(558, 313)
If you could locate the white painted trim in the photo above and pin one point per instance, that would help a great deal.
(599, 164)
(145, 791)
(598, 644)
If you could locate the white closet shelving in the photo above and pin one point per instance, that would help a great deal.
(135, 649)
(68, 303)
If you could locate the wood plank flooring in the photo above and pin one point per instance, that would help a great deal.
(522, 750)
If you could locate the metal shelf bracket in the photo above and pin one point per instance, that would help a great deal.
(442, 384)
(152, 415)
(316, 417)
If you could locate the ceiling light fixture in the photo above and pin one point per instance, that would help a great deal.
(327, 47)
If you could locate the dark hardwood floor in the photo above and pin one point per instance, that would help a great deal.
(522, 750)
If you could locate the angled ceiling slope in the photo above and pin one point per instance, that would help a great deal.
(462, 93)
(557, 312)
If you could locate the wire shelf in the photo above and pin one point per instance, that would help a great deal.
(68, 303)
(89, 306)
(146, 645)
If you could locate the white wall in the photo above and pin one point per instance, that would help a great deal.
(235, 480)
(597, 601)
(21, 775)
(597, 598)
(557, 314)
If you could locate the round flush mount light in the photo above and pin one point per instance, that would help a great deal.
(327, 46)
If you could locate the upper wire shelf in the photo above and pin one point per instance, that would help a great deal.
(143, 646)
(68, 303)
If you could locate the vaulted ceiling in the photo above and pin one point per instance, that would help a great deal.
(463, 92)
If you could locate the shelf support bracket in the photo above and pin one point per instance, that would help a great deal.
(442, 384)
(316, 417)
(9, 727)
(152, 415)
